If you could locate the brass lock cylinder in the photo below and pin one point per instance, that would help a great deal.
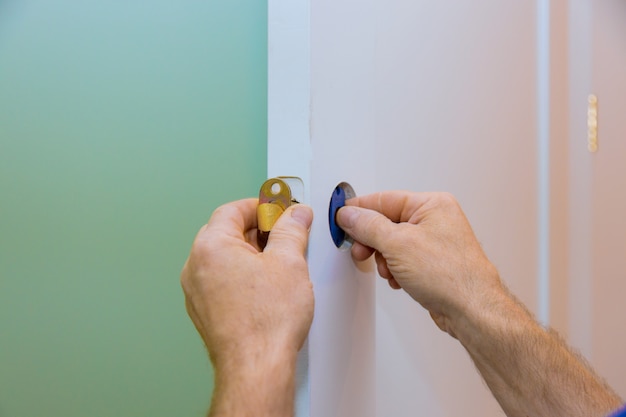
(274, 198)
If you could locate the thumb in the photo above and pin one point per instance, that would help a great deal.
(291, 230)
(367, 227)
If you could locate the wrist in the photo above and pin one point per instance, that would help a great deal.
(251, 352)
(491, 312)
(255, 380)
(254, 356)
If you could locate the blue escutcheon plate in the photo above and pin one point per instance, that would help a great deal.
(341, 193)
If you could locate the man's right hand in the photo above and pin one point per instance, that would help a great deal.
(425, 245)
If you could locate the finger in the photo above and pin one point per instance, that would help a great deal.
(394, 284)
(383, 269)
(398, 206)
(232, 219)
(252, 237)
(291, 230)
(361, 252)
(365, 226)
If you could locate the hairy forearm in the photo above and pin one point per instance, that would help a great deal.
(529, 369)
(262, 384)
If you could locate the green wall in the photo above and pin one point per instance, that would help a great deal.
(123, 124)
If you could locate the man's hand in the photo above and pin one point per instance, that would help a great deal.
(252, 308)
(424, 245)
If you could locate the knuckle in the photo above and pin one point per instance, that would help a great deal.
(201, 258)
(221, 210)
(201, 249)
(448, 203)
(448, 199)
(186, 280)
(289, 235)
(380, 225)
(184, 276)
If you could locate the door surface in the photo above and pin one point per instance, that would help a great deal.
(423, 96)
(456, 94)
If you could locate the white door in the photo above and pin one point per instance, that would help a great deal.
(597, 264)
(424, 96)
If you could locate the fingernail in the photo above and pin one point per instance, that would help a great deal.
(347, 216)
(303, 214)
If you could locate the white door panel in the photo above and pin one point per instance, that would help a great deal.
(456, 108)
(424, 96)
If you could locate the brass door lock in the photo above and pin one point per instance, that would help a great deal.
(275, 196)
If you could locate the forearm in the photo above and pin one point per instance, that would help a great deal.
(260, 385)
(530, 370)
